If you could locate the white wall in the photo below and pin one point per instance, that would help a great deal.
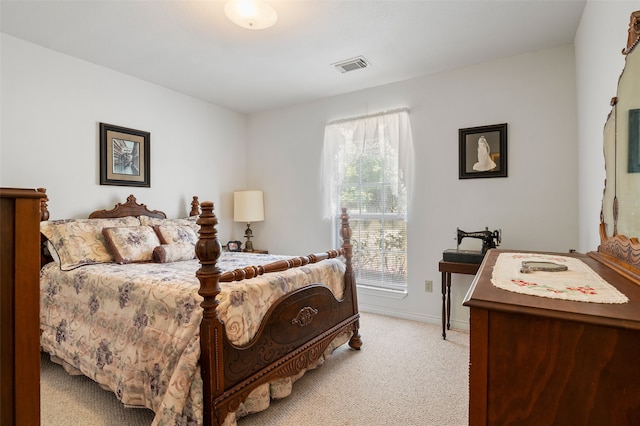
(536, 206)
(600, 38)
(52, 105)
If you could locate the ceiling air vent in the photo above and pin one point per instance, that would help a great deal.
(351, 64)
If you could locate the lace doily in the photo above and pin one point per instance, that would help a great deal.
(578, 283)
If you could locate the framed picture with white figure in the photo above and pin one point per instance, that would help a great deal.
(483, 151)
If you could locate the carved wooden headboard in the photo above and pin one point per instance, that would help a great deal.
(129, 208)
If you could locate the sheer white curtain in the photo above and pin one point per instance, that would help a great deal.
(346, 139)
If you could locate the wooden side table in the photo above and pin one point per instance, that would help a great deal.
(448, 268)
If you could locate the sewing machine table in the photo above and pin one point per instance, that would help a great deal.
(447, 268)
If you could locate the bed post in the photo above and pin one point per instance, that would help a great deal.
(195, 206)
(349, 277)
(45, 257)
(208, 251)
(44, 210)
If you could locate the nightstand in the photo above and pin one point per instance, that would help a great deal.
(260, 251)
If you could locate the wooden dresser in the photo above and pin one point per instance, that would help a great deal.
(540, 361)
(19, 300)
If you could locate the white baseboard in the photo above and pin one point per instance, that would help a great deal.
(413, 316)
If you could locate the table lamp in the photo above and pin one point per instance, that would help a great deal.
(248, 206)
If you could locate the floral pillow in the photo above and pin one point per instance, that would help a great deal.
(174, 252)
(173, 234)
(130, 244)
(189, 221)
(80, 242)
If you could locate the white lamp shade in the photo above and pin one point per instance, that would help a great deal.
(248, 206)
(251, 14)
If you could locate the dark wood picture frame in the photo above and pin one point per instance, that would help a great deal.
(124, 156)
(234, 246)
(634, 141)
(483, 151)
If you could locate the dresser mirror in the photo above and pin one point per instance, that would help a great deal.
(620, 215)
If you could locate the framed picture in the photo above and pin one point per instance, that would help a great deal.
(124, 156)
(234, 245)
(483, 151)
(634, 141)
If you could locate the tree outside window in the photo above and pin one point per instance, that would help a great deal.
(369, 180)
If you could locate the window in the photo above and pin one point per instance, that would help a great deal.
(367, 169)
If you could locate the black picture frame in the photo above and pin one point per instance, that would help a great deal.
(124, 156)
(634, 141)
(234, 246)
(475, 161)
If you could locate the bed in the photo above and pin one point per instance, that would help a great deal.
(199, 341)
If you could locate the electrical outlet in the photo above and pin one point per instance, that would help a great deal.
(428, 286)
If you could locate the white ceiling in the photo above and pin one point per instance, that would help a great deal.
(191, 47)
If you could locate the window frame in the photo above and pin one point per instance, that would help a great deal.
(392, 187)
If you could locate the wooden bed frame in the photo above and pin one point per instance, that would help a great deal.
(294, 333)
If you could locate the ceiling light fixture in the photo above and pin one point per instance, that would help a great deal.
(251, 14)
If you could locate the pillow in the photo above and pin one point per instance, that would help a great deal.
(153, 221)
(130, 244)
(80, 242)
(174, 252)
(172, 234)
(53, 253)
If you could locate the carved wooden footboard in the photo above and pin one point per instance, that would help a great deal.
(294, 333)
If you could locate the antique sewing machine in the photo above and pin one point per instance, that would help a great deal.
(490, 239)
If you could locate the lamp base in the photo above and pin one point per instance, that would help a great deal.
(248, 233)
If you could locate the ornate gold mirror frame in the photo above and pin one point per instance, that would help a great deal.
(621, 198)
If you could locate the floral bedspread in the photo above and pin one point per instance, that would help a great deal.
(134, 328)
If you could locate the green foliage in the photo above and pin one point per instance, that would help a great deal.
(380, 250)
(374, 200)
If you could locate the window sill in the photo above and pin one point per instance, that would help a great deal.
(381, 292)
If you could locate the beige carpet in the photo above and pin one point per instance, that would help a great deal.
(405, 374)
